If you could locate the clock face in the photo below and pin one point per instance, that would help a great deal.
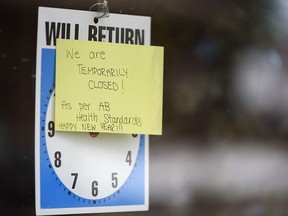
(84, 172)
(90, 167)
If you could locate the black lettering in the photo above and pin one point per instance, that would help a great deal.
(68, 31)
(63, 30)
(110, 31)
(103, 85)
(117, 35)
(139, 36)
(122, 35)
(101, 35)
(76, 35)
(92, 33)
(129, 36)
(71, 54)
(59, 30)
(52, 32)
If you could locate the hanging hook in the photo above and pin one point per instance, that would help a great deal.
(101, 9)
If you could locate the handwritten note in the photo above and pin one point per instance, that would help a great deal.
(108, 87)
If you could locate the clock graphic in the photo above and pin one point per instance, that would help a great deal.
(87, 172)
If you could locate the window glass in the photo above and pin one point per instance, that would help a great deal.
(225, 118)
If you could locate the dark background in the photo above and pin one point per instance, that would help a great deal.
(224, 145)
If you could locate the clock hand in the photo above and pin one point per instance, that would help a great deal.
(94, 134)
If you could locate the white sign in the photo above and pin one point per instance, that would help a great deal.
(85, 172)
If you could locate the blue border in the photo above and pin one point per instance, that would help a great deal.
(54, 194)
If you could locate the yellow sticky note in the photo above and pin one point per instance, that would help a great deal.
(108, 87)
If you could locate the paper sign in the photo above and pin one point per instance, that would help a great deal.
(108, 87)
(77, 173)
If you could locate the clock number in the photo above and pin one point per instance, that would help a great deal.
(114, 180)
(57, 161)
(129, 158)
(75, 179)
(94, 188)
(51, 128)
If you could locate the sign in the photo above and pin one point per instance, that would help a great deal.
(83, 172)
(108, 87)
